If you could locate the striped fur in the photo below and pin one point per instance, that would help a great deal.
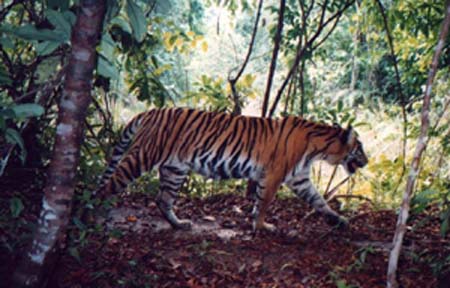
(220, 146)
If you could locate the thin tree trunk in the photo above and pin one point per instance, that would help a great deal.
(309, 47)
(301, 82)
(420, 147)
(273, 63)
(399, 91)
(237, 110)
(355, 64)
(289, 95)
(40, 258)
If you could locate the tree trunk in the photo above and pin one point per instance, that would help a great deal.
(237, 109)
(301, 82)
(40, 257)
(355, 64)
(273, 63)
(420, 147)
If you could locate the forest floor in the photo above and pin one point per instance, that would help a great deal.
(221, 250)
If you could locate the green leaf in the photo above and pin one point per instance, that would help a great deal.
(7, 113)
(46, 47)
(15, 206)
(4, 77)
(106, 68)
(112, 9)
(340, 105)
(62, 4)
(59, 22)
(122, 23)
(70, 17)
(29, 32)
(137, 20)
(107, 46)
(13, 137)
(6, 42)
(73, 251)
(28, 110)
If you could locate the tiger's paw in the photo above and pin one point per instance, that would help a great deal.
(338, 221)
(182, 225)
(264, 226)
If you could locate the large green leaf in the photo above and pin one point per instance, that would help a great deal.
(106, 68)
(46, 47)
(13, 137)
(60, 23)
(122, 23)
(6, 42)
(29, 32)
(70, 17)
(137, 20)
(107, 46)
(27, 110)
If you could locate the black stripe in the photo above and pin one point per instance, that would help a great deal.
(300, 182)
(176, 135)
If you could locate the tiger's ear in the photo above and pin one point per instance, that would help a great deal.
(349, 135)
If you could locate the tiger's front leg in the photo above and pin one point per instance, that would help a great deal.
(304, 189)
(265, 192)
(170, 181)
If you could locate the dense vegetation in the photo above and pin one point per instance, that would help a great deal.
(363, 63)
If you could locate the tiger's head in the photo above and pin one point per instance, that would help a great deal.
(347, 151)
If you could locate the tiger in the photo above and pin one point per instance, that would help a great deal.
(267, 151)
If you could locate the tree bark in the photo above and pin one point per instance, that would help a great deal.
(273, 63)
(40, 257)
(420, 147)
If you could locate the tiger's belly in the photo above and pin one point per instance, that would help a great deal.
(223, 168)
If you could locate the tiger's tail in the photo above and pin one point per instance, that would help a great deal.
(126, 138)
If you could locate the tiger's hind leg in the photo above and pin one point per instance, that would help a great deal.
(304, 189)
(170, 181)
(128, 169)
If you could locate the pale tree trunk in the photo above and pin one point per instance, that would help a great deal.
(420, 147)
(40, 258)
(355, 64)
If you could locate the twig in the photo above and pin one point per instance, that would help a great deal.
(357, 197)
(331, 180)
(330, 196)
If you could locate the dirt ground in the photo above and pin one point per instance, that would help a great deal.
(221, 250)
